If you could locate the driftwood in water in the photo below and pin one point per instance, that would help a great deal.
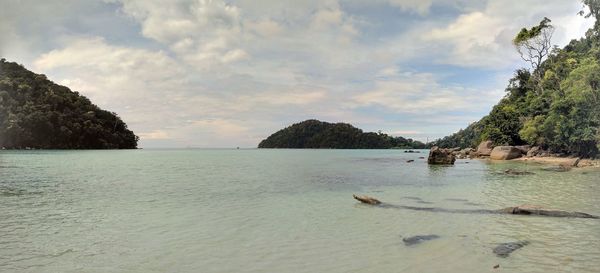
(519, 210)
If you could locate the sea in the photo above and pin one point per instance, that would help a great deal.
(255, 210)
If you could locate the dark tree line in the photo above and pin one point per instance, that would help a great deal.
(323, 135)
(37, 113)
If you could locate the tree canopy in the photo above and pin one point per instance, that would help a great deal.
(559, 110)
(37, 113)
(323, 135)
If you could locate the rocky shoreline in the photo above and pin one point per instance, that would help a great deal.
(487, 151)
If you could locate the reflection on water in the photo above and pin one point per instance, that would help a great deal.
(284, 211)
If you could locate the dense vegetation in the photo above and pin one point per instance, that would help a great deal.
(37, 113)
(556, 105)
(318, 134)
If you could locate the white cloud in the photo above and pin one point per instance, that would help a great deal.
(482, 38)
(419, 6)
(228, 73)
(421, 93)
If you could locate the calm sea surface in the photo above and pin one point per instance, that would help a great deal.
(283, 211)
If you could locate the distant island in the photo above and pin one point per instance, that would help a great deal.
(554, 105)
(39, 114)
(315, 134)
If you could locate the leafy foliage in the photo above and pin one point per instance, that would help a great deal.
(318, 134)
(559, 111)
(37, 113)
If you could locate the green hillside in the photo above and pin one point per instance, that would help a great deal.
(317, 134)
(37, 113)
(555, 104)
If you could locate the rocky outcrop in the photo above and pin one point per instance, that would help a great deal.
(464, 153)
(537, 151)
(439, 156)
(485, 148)
(505, 153)
(524, 148)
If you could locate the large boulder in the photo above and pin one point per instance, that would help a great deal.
(524, 148)
(505, 153)
(439, 156)
(485, 148)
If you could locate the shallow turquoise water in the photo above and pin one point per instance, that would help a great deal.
(283, 211)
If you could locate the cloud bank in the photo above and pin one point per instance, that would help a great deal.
(213, 73)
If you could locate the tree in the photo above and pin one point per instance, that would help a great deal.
(534, 45)
(594, 9)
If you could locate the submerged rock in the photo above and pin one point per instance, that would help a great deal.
(559, 168)
(517, 172)
(410, 161)
(504, 249)
(419, 239)
(439, 156)
(505, 153)
(536, 210)
(519, 210)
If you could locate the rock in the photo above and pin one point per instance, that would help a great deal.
(505, 153)
(524, 148)
(536, 210)
(439, 156)
(367, 200)
(496, 266)
(421, 157)
(517, 172)
(419, 239)
(520, 210)
(559, 168)
(410, 161)
(485, 148)
(533, 151)
(572, 163)
(504, 249)
(466, 151)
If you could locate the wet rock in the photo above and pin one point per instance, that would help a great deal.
(409, 161)
(419, 239)
(517, 172)
(504, 249)
(505, 153)
(485, 148)
(367, 200)
(439, 156)
(541, 211)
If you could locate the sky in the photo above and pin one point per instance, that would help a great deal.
(228, 73)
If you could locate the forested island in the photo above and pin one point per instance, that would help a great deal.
(39, 114)
(314, 134)
(555, 104)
